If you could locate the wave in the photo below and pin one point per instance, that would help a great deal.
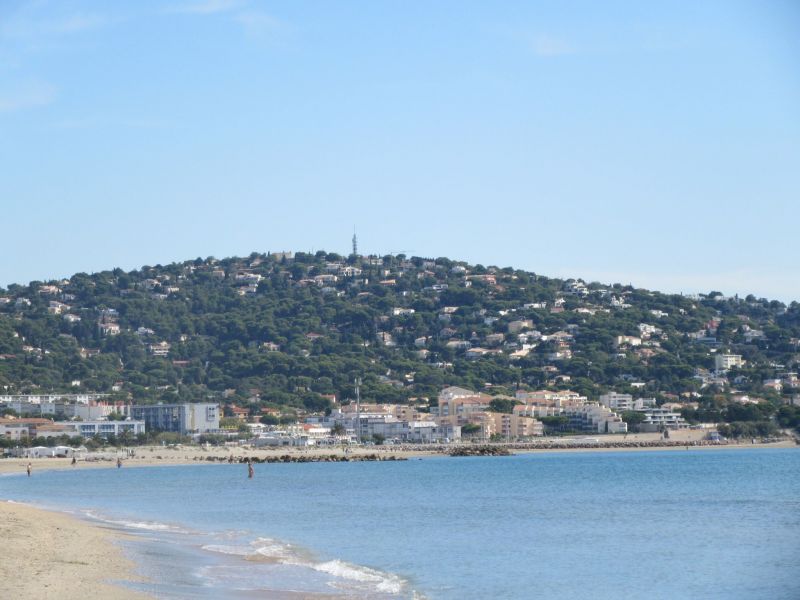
(278, 550)
(259, 548)
(344, 575)
(140, 525)
(386, 583)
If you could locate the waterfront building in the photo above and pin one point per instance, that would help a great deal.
(616, 401)
(179, 418)
(460, 401)
(536, 411)
(596, 418)
(658, 419)
(105, 429)
(515, 426)
(382, 421)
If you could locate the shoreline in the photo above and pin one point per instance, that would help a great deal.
(152, 456)
(53, 555)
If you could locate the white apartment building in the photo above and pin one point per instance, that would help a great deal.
(616, 401)
(623, 402)
(550, 398)
(658, 419)
(595, 417)
(382, 422)
(106, 428)
(536, 411)
(723, 362)
(54, 397)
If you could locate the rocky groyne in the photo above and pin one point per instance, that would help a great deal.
(287, 458)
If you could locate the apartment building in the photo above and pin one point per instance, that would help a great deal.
(179, 418)
(723, 362)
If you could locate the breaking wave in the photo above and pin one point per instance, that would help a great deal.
(139, 525)
(386, 583)
(344, 575)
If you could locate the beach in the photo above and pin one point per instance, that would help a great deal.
(181, 455)
(52, 555)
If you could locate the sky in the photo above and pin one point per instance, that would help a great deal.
(652, 143)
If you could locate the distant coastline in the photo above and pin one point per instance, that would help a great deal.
(152, 456)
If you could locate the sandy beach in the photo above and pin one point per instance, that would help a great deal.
(182, 455)
(48, 555)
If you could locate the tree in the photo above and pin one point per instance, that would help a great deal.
(788, 416)
(230, 342)
(633, 418)
(502, 405)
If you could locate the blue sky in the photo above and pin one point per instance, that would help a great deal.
(653, 143)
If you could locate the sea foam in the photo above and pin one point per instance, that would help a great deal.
(344, 575)
(140, 525)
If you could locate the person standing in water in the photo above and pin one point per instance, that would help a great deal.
(29, 469)
(250, 470)
(119, 463)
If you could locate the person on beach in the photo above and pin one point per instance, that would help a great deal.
(29, 469)
(74, 461)
(119, 463)
(250, 470)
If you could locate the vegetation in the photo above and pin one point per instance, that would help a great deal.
(789, 416)
(739, 429)
(291, 333)
(502, 405)
(633, 419)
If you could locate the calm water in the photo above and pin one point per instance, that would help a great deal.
(693, 524)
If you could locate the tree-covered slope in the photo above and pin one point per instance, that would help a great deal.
(276, 329)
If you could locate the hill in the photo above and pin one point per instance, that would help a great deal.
(291, 330)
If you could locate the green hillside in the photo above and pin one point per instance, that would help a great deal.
(287, 330)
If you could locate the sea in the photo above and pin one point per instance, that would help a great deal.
(618, 525)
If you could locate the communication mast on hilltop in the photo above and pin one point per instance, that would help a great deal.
(355, 243)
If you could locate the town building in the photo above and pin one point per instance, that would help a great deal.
(17, 429)
(723, 362)
(594, 417)
(517, 426)
(616, 401)
(659, 419)
(105, 429)
(179, 418)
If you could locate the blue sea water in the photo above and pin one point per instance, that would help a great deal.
(689, 524)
